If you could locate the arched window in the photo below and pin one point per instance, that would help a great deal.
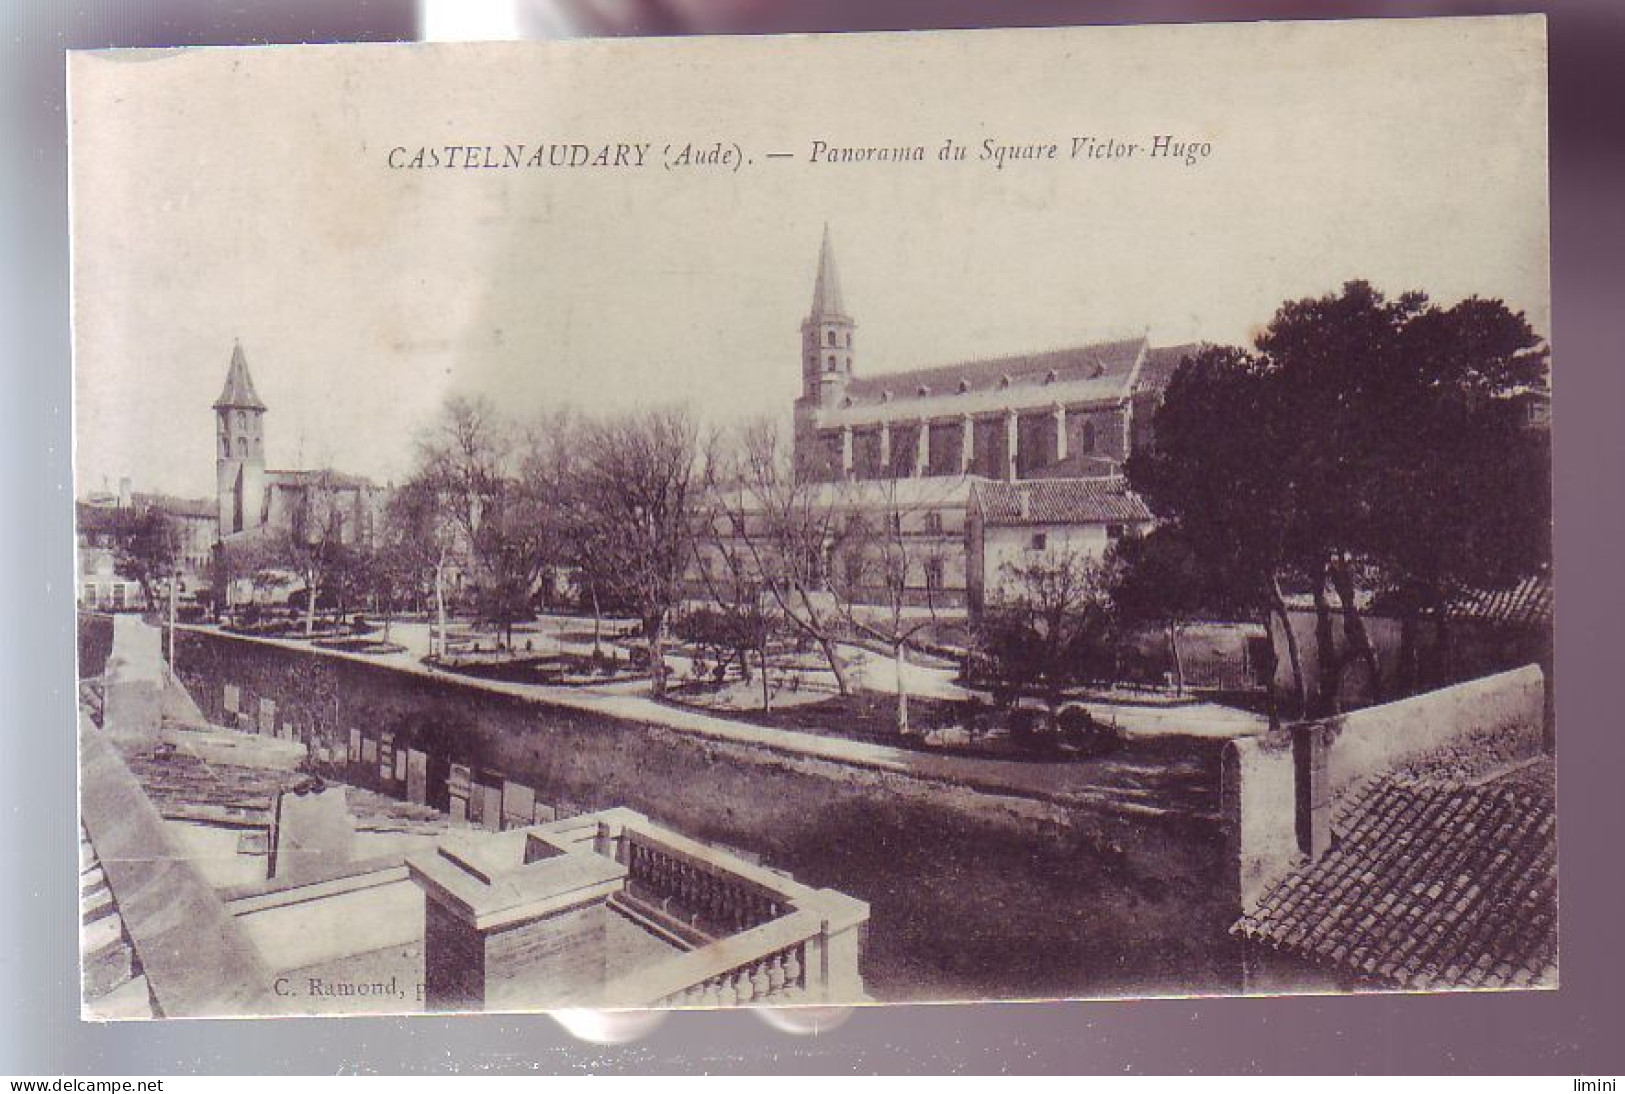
(242, 446)
(831, 363)
(225, 445)
(1086, 437)
(831, 338)
(242, 420)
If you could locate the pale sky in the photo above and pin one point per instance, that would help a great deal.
(223, 194)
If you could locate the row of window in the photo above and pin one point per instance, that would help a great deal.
(856, 570)
(1040, 540)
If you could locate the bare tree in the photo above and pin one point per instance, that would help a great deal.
(635, 487)
(733, 585)
(469, 463)
(419, 548)
(885, 560)
(787, 530)
(314, 546)
(1050, 623)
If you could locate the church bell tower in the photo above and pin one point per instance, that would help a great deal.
(826, 336)
(239, 449)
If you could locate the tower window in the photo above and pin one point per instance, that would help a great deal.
(831, 363)
(242, 446)
(832, 338)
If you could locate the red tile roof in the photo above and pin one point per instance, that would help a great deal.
(1430, 884)
(1058, 501)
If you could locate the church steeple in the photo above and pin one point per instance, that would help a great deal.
(827, 302)
(239, 393)
(239, 417)
(826, 334)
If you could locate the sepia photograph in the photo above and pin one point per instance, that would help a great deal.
(814, 520)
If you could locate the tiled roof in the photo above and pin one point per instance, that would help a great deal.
(1058, 501)
(321, 478)
(1430, 884)
(1529, 602)
(1105, 362)
(1159, 366)
(180, 507)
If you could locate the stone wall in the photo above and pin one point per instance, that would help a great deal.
(95, 643)
(1265, 798)
(973, 894)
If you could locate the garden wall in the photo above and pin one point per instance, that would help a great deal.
(973, 894)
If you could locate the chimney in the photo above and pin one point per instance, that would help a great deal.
(1313, 807)
(125, 492)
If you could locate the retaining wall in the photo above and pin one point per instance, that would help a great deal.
(973, 895)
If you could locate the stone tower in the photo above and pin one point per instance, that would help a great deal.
(240, 449)
(826, 363)
(826, 336)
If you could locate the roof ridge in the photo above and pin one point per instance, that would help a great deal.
(1016, 355)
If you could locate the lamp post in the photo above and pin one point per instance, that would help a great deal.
(174, 585)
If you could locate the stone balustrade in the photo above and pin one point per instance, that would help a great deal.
(754, 937)
(520, 919)
(709, 899)
(766, 965)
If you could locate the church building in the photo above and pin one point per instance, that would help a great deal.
(256, 504)
(971, 465)
(1074, 412)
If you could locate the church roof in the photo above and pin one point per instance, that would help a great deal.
(1104, 367)
(1159, 366)
(239, 393)
(827, 300)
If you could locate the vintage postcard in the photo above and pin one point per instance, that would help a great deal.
(814, 520)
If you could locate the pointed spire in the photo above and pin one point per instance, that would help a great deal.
(238, 394)
(827, 300)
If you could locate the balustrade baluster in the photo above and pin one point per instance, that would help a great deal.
(760, 982)
(775, 973)
(793, 966)
(743, 988)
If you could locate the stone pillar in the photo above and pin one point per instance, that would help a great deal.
(833, 956)
(967, 444)
(922, 449)
(885, 450)
(1011, 436)
(846, 451)
(514, 923)
(1060, 432)
(1313, 790)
